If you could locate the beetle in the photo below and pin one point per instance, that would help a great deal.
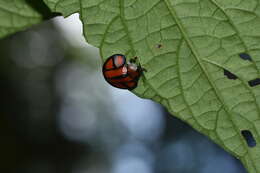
(121, 73)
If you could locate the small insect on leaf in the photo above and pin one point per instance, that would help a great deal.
(245, 56)
(249, 138)
(159, 46)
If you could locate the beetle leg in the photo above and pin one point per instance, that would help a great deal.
(143, 69)
(133, 60)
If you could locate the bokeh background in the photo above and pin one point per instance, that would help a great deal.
(58, 115)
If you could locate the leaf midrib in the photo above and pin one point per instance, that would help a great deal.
(197, 57)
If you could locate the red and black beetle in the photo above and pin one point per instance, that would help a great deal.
(120, 73)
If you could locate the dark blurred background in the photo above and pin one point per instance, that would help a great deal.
(58, 115)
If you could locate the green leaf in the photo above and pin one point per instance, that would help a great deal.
(66, 7)
(185, 45)
(16, 15)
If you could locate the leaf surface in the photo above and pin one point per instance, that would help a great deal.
(66, 7)
(188, 47)
(16, 15)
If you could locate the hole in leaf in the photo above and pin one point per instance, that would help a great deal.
(254, 82)
(245, 56)
(249, 138)
(229, 75)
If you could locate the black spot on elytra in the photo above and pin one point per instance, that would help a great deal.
(250, 140)
(245, 56)
(254, 82)
(229, 75)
